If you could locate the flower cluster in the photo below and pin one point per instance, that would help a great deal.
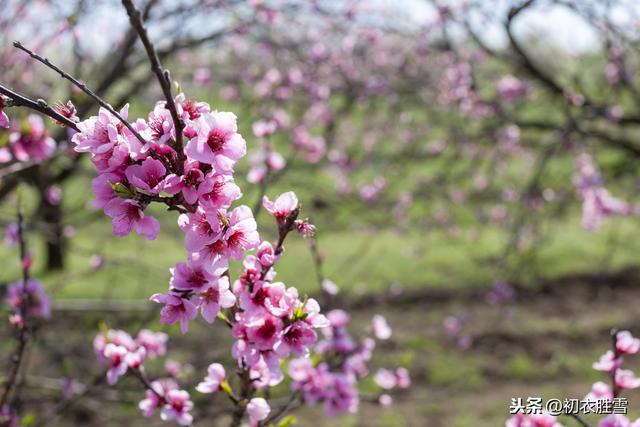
(142, 163)
(31, 142)
(38, 303)
(4, 119)
(611, 363)
(510, 89)
(624, 344)
(334, 380)
(597, 202)
(120, 352)
(269, 321)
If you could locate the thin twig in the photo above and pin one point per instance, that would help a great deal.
(18, 100)
(616, 355)
(284, 410)
(23, 336)
(83, 88)
(162, 74)
(141, 375)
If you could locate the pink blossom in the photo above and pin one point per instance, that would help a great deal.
(329, 287)
(153, 400)
(177, 407)
(518, 420)
(544, 420)
(215, 376)
(263, 330)
(115, 356)
(99, 134)
(283, 205)
(626, 379)
(615, 420)
(263, 374)
(175, 309)
(32, 142)
(381, 329)
(510, 88)
(599, 391)
(160, 126)
(266, 254)
(626, 343)
(218, 191)
(263, 129)
(53, 195)
(342, 396)
(607, 363)
(216, 295)
(11, 234)
(258, 410)
(257, 174)
(385, 379)
(112, 336)
(309, 311)
(4, 119)
(275, 161)
(201, 229)
(147, 176)
(173, 368)
(187, 183)
(67, 110)
(96, 262)
(102, 187)
(535, 420)
(369, 193)
(313, 147)
(38, 302)
(135, 359)
(189, 276)
(217, 142)
(202, 77)
(597, 202)
(385, 400)
(403, 379)
(155, 343)
(241, 234)
(338, 318)
(212, 257)
(304, 227)
(128, 215)
(296, 339)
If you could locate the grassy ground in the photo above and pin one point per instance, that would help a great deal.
(358, 261)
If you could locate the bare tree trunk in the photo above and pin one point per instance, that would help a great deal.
(53, 232)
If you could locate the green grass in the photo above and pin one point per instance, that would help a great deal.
(358, 261)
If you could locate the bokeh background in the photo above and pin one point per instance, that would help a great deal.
(434, 146)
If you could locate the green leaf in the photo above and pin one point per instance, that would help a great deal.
(287, 421)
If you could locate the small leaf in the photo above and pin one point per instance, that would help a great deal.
(287, 421)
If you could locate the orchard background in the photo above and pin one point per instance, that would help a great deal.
(469, 167)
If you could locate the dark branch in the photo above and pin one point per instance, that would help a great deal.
(23, 335)
(82, 87)
(161, 74)
(40, 106)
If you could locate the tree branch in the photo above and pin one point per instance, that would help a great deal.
(82, 87)
(23, 336)
(18, 100)
(161, 74)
